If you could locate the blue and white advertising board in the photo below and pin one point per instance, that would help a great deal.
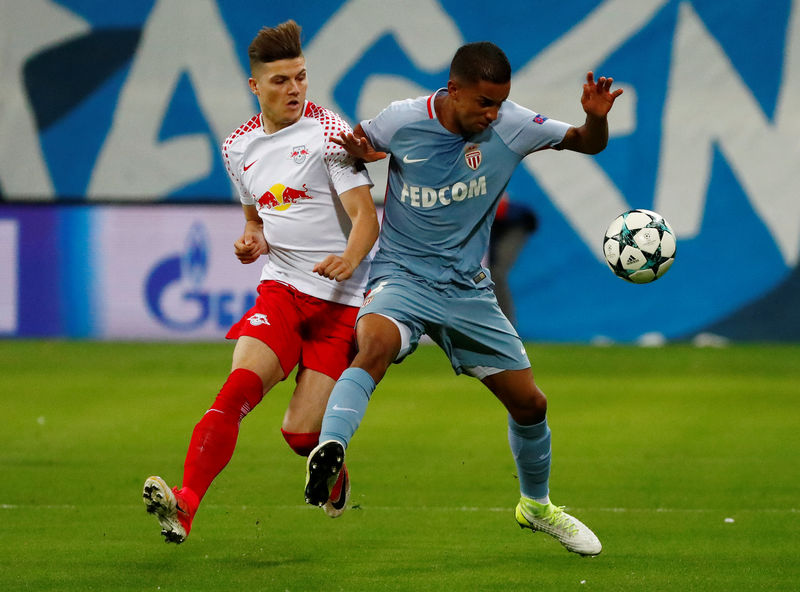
(126, 272)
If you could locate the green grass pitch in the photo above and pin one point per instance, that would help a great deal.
(684, 461)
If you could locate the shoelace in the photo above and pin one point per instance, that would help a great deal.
(559, 519)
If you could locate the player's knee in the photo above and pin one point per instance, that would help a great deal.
(301, 442)
(379, 342)
(531, 409)
(539, 404)
(375, 356)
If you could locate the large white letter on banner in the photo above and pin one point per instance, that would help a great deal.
(179, 38)
(26, 28)
(427, 34)
(575, 183)
(709, 104)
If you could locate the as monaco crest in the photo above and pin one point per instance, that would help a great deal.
(473, 157)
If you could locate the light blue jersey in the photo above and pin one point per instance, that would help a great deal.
(442, 195)
(443, 189)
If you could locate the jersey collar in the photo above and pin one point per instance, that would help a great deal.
(306, 112)
(431, 103)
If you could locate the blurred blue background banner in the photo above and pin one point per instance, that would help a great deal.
(129, 105)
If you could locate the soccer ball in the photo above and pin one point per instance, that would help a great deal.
(639, 246)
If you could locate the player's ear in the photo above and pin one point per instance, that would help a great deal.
(452, 88)
(253, 85)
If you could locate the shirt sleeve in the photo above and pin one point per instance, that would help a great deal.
(344, 171)
(525, 131)
(232, 157)
(381, 128)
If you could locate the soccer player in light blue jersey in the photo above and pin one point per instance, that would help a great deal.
(452, 154)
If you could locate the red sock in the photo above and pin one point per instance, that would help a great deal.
(301, 442)
(214, 437)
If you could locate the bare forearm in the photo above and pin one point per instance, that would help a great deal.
(597, 100)
(360, 209)
(251, 215)
(592, 136)
(362, 237)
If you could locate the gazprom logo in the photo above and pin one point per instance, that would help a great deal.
(194, 261)
(177, 293)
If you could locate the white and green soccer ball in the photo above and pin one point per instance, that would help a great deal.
(639, 246)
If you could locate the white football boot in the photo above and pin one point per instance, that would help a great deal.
(553, 520)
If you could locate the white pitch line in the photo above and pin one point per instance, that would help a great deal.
(434, 508)
(471, 509)
(38, 507)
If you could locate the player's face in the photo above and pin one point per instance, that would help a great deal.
(476, 105)
(281, 90)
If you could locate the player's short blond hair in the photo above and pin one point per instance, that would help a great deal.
(281, 42)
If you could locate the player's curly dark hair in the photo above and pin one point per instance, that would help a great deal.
(482, 60)
(281, 42)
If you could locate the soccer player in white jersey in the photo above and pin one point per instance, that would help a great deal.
(452, 154)
(309, 210)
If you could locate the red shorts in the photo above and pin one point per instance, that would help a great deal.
(301, 329)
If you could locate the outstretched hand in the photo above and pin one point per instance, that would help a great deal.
(358, 147)
(597, 98)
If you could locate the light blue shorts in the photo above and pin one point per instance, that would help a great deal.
(466, 323)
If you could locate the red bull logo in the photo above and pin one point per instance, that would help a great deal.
(280, 197)
(299, 154)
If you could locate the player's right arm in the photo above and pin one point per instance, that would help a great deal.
(596, 100)
(371, 139)
(252, 244)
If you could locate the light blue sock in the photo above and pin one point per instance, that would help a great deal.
(530, 446)
(347, 405)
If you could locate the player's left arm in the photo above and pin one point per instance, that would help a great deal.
(360, 208)
(358, 145)
(596, 100)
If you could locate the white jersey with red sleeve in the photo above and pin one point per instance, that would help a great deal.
(294, 177)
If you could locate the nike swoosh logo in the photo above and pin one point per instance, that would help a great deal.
(247, 166)
(337, 408)
(408, 160)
